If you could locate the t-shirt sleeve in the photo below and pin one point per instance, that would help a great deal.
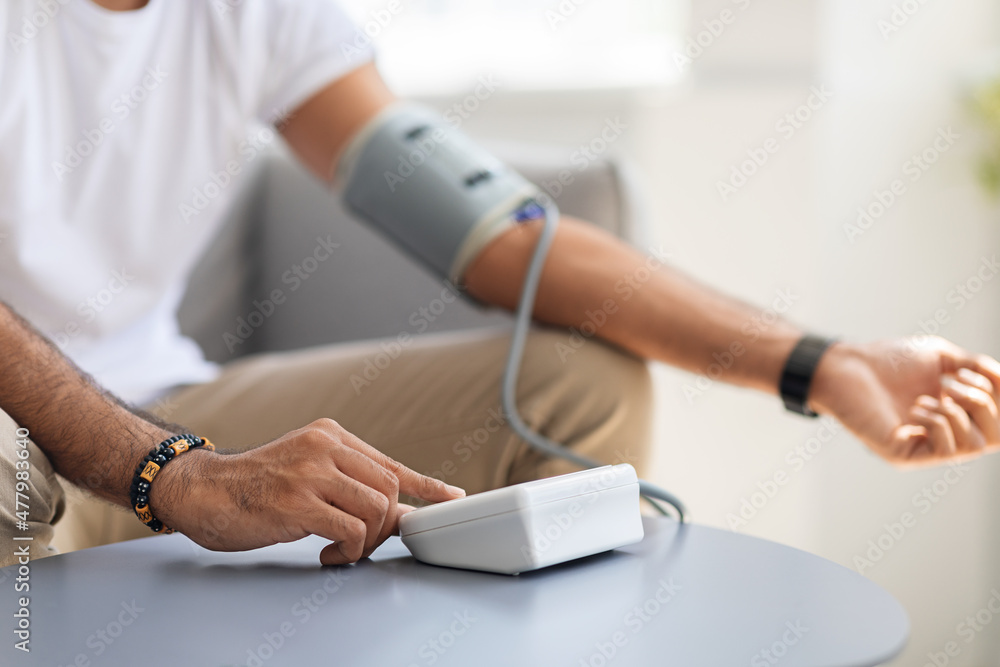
(311, 44)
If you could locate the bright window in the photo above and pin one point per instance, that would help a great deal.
(444, 46)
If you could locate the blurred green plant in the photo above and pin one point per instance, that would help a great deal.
(986, 106)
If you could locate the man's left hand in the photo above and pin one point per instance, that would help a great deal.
(913, 401)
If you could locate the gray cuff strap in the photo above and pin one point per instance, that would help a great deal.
(429, 188)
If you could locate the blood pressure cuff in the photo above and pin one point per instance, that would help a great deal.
(430, 189)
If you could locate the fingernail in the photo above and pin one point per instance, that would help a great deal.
(927, 401)
(454, 490)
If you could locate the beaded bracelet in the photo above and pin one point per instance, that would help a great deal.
(150, 466)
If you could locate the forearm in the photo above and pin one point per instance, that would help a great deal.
(91, 438)
(641, 305)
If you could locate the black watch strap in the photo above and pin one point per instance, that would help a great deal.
(798, 373)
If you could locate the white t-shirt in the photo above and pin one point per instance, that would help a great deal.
(112, 125)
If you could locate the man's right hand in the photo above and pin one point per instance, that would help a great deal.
(318, 480)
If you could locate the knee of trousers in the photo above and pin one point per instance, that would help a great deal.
(29, 485)
(594, 398)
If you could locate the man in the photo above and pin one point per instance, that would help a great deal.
(115, 111)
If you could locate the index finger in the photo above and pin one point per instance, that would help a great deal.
(411, 482)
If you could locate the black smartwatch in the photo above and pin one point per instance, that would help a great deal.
(798, 373)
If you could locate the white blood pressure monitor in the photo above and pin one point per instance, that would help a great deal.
(531, 525)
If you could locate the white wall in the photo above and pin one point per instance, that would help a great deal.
(896, 93)
(784, 231)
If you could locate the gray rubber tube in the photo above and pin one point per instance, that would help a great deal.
(522, 324)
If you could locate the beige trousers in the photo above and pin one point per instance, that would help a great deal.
(432, 403)
(31, 496)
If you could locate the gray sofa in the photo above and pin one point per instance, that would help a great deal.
(367, 288)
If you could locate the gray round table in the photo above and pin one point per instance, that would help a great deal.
(686, 596)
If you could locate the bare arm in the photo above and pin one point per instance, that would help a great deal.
(911, 401)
